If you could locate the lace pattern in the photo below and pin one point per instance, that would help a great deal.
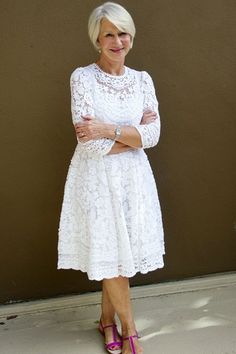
(111, 222)
(150, 133)
(81, 105)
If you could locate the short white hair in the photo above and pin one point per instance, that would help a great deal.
(114, 13)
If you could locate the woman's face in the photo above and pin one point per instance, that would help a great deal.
(114, 44)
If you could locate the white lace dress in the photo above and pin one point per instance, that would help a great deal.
(111, 222)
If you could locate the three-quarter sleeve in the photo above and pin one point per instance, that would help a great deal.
(149, 133)
(81, 105)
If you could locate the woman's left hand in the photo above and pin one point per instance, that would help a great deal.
(149, 116)
(91, 128)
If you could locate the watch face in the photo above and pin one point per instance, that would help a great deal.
(117, 132)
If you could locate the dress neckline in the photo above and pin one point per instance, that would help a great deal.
(110, 75)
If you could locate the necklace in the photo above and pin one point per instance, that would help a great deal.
(102, 69)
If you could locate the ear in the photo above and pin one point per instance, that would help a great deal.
(131, 42)
(98, 48)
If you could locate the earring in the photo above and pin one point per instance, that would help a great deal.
(99, 51)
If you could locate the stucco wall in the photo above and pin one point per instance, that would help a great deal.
(188, 47)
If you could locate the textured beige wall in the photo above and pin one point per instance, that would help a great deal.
(188, 47)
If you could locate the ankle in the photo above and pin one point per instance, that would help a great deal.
(106, 320)
(128, 329)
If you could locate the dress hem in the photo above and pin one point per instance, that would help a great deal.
(114, 275)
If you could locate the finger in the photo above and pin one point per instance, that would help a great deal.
(150, 114)
(82, 126)
(148, 120)
(79, 130)
(77, 125)
(87, 117)
(151, 120)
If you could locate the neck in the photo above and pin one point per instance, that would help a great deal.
(111, 67)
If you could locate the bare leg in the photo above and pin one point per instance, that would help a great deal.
(119, 295)
(108, 315)
(108, 311)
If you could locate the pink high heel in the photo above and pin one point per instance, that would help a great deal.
(115, 343)
(131, 341)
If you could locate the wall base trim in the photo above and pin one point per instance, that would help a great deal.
(144, 291)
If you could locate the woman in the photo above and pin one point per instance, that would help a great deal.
(111, 223)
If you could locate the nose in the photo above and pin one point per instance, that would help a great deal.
(117, 40)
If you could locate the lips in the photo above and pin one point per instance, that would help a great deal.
(117, 50)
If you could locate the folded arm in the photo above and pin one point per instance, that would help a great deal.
(82, 104)
(98, 137)
(91, 128)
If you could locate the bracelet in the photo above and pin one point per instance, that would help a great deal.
(117, 132)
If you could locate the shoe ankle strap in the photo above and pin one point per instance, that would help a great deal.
(134, 336)
(110, 325)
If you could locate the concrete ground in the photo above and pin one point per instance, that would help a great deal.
(172, 319)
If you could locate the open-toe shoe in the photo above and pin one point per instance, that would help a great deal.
(115, 346)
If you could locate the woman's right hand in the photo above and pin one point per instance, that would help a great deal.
(148, 117)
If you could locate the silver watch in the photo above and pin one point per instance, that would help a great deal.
(117, 132)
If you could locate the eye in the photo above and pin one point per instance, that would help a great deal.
(122, 34)
(108, 35)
